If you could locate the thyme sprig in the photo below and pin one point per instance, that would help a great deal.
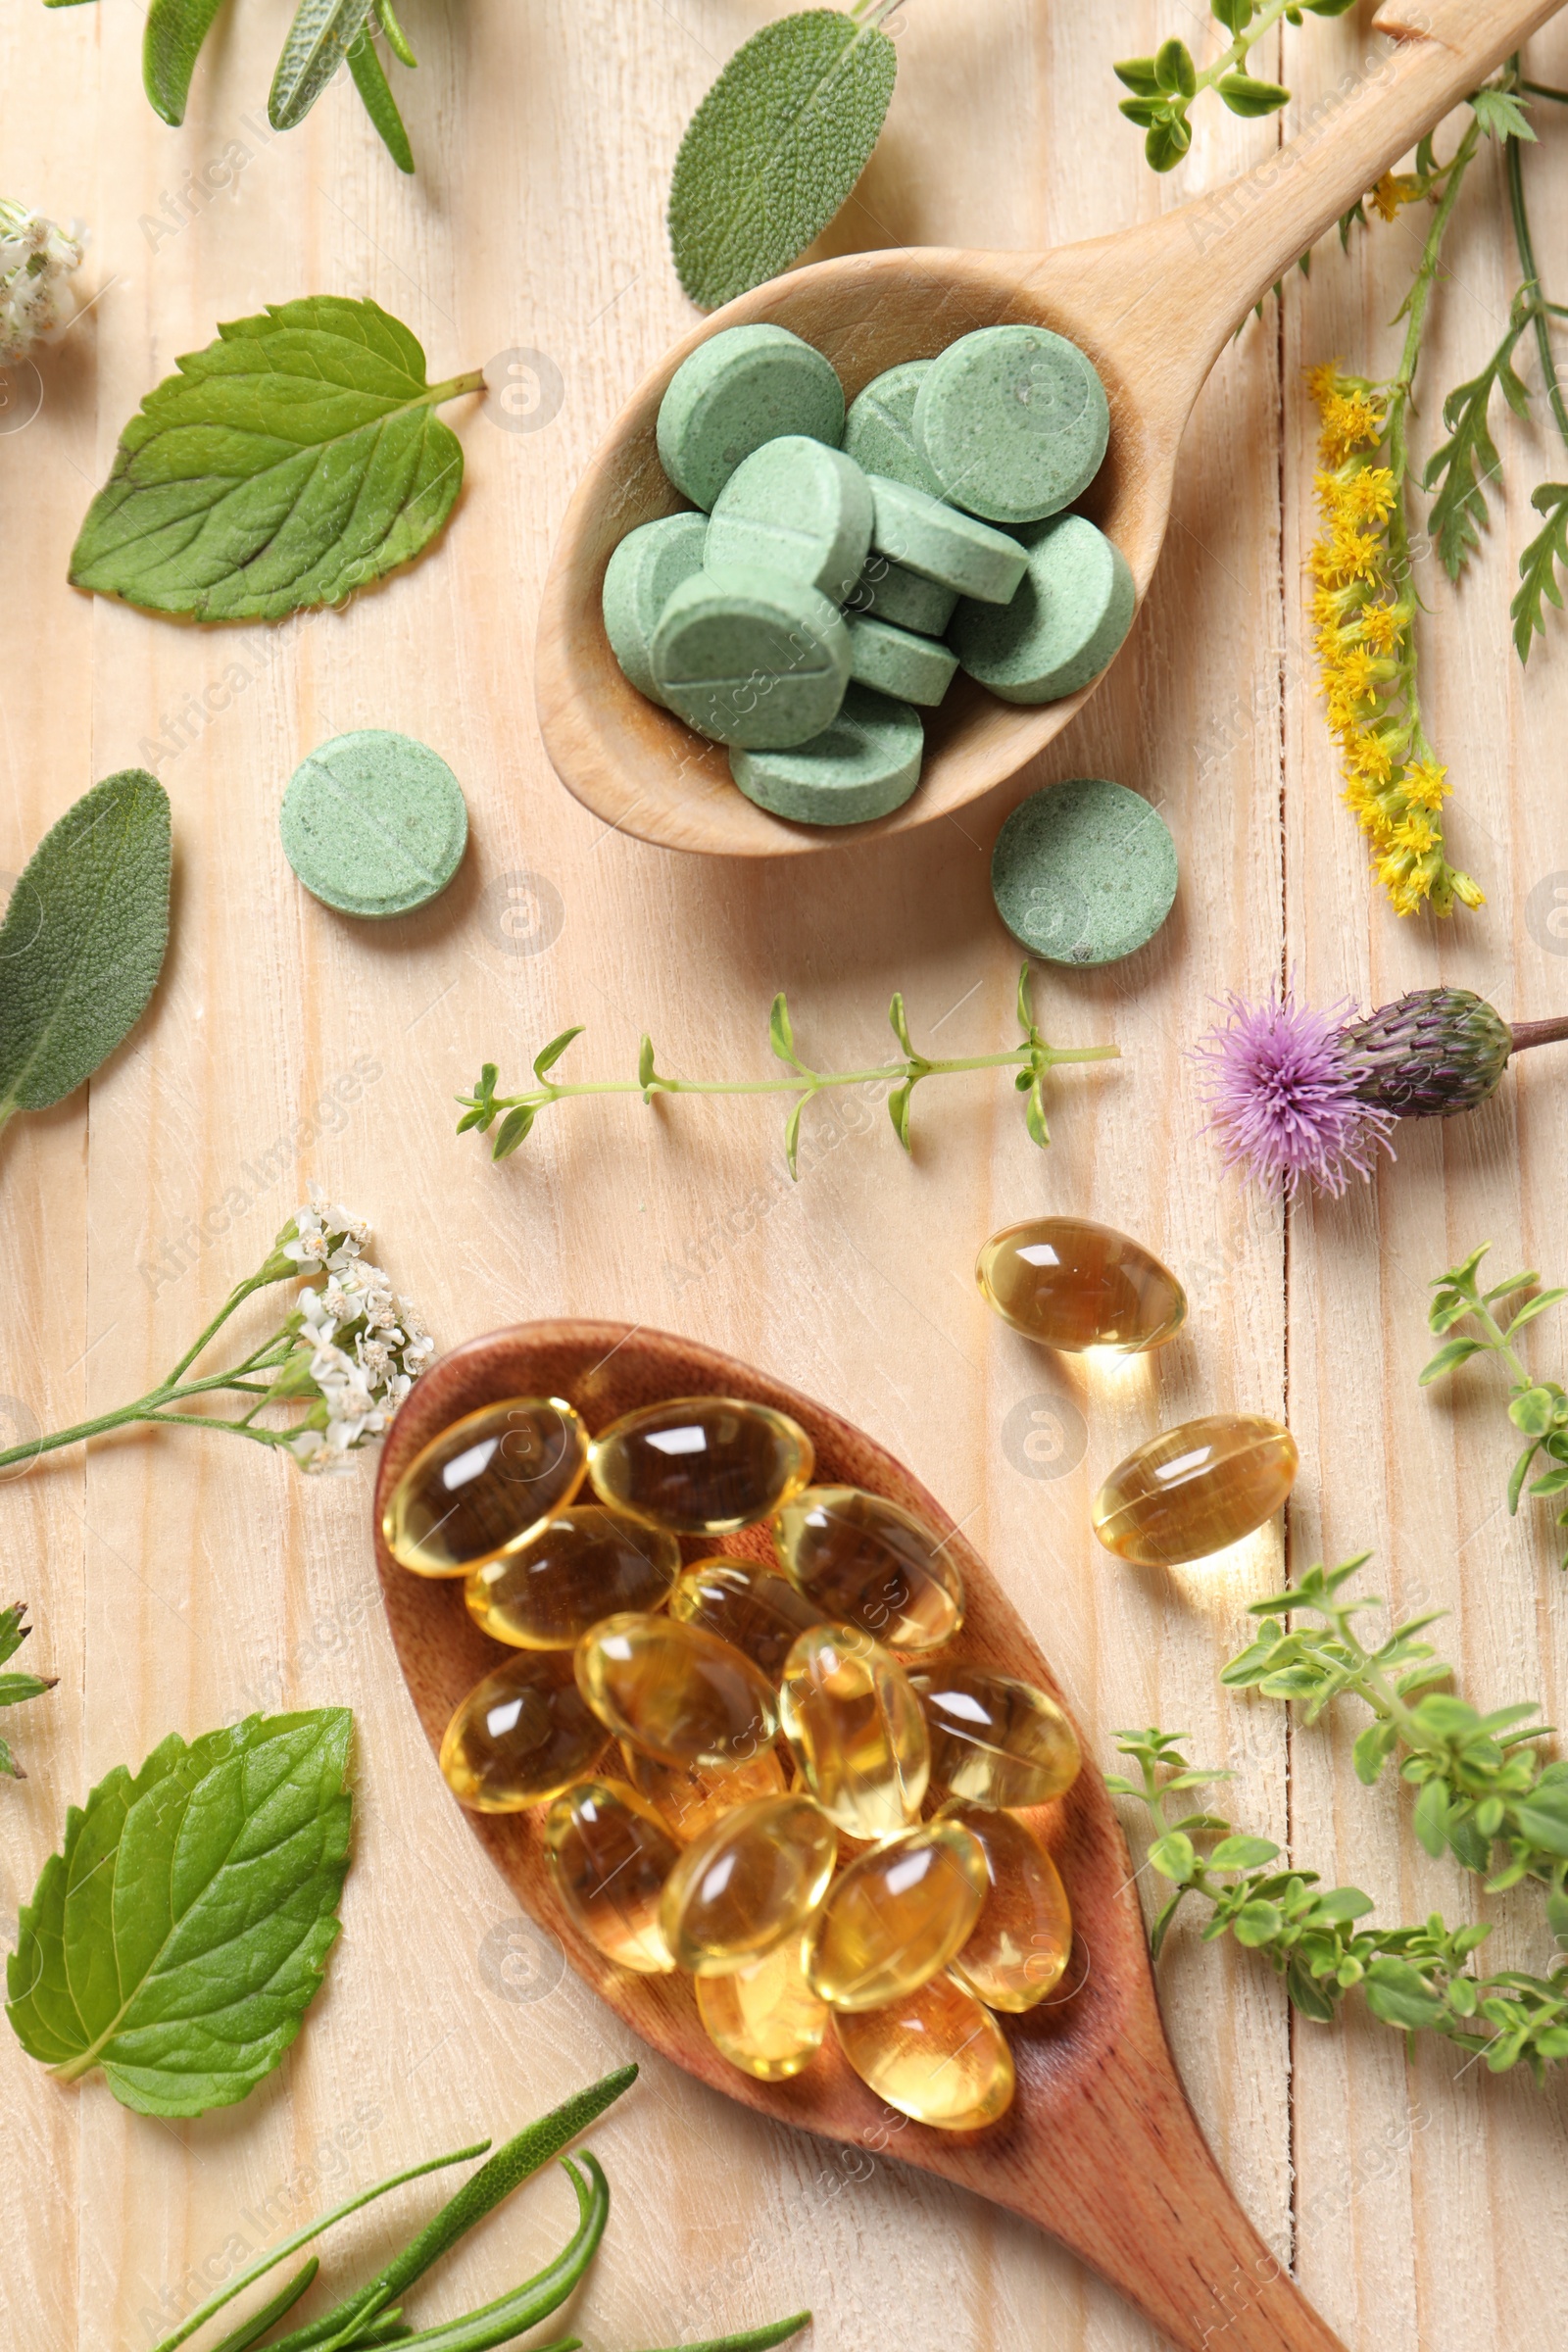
(1538, 1408)
(1165, 85)
(1033, 1059)
(1484, 1794)
(1320, 1939)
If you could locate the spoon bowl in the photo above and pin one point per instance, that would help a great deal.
(1152, 307)
(1100, 2146)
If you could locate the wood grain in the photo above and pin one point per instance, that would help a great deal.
(177, 1584)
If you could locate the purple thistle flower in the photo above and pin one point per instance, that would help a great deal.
(1283, 1100)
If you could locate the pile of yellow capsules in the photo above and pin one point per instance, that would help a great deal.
(797, 1882)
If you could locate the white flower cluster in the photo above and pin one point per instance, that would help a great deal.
(35, 260)
(355, 1309)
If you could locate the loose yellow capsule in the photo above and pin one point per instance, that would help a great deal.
(676, 1692)
(609, 1856)
(993, 1740)
(700, 1465)
(747, 1605)
(521, 1735)
(764, 2018)
(856, 1730)
(752, 1881)
(487, 1482)
(1018, 1947)
(1194, 1489)
(897, 1915)
(584, 1564)
(689, 1799)
(935, 2054)
(1072, 1284)
(868, 1562)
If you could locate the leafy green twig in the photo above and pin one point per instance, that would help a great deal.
(18, 1686)
(1541, 557)
(1485, 1796)
(1417, 1977)
(1165, 85)
(1032, 1057)
(348, 1351)
(1538, 1408)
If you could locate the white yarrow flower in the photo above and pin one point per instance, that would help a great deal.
(354, 1308)
(36, 257)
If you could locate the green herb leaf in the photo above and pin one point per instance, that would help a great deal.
(1396, 1992)
(1431, 1817)
(171, 45)
(1137, 73)
(511, 1131)
(1034, 1116)
(293, 460)
(1174, 71)
(781, 1031)
(1234, 15)
(775, 148)
(1449, 1358)
(1534, 1308)
(898, 1110)
(323, 34)
(1501, 114)
(1373, 1747)
(898, 1024)
(1166, 141)
(1144, 111)
(547, 1055)
(1241, 1853)
(1249, 97)
(1174, 1857)
(753, 2339)
(1469, 460)
(370, 79)
(1533, 1411)
(1257, 1923)
(182, 1931)
(16, 1688)
(83, 940)
(792, 1137)
(397, 39)
(1537, 566)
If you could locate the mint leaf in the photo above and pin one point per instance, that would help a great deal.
(295, 460)
(774, 149)
(323, 34)
(179, 1935)
(171, 45)
(83, 940)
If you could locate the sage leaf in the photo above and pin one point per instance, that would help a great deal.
(293, 460)
(171, 45)
(775, 148)
(179, 1935)
(323, 34)
(83, 940)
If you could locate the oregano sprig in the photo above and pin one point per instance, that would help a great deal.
(1321, 1939)
(1033, 1059)
(1164, 87)
(1538, 1408)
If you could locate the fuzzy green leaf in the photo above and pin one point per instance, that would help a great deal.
(1533, 1411)
(1431, 1817)
(1449, 1358)
(293, 460)
(323, 34)
(171, 45)
(1246, 95)
(370, 79)
(180, 1933)
(1256, 1923)
(774, 149)
(1174, 1857)
(1396, 1992)
(1537, 566)
(1467, 463)
(83, 940)
(1373, 1747)
(1241, 1853)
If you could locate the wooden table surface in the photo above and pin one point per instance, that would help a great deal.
(178, 1581)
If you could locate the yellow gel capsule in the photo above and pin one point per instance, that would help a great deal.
(1194, 1489)
(897, 1915)
(993, 1740)
(1018, 1947)
(487, 1482)
(1072, 1284)
(676, 1692)
(749, 1606)
(872, 1564)
(934, 2054)
(521, 1735)
(609, 1856)
(856, 1730)
(700, 1465)
(584, 1564)
(754, 1879)
(764, 2018)
(689, 1799)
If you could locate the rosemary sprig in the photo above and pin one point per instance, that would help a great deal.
(1414, 1977)
(1485, 1796)
(16, 1688)
(1032, 1057)
(1538, 1408)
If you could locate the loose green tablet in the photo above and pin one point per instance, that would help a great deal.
(1084, 872)
(891, 593)
(737, 390)
(942, 544)
(1013, 422)
(910, 668)
(373, 823)
(1070, 614)
(798, 507)
(865, 764)
(879, 429)
(642, 575)
(750, 657)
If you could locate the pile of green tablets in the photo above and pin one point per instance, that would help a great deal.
(844, 565)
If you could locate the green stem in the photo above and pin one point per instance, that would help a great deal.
(1267, 16)
(153, 1407)
(473, 381)
(1544, 89)
(1525, 243)
(236, 1297)
(814, 1081)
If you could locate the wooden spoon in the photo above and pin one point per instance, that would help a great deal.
(1152, 307)
(1100, 2146)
